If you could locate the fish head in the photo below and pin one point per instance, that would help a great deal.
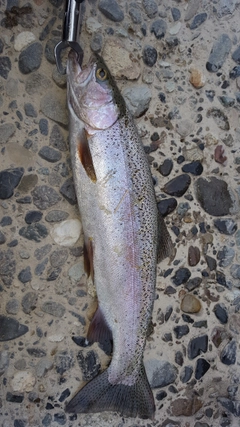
(93, 94)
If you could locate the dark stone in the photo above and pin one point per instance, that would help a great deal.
(33, 216)
(44, 33)
(166, 168)
(181, 276)
(68, 191)
(167, 206)
(197, 345)
(30, 58)
(214, 196)
(200, 324)
(221, 279)
(43, 126)
(210, 94)
(111, 10)
(35, 232)
(60, 418)
(235, 72)
(19, 423)
(226, 101)
(5, 66)
(80, 341)
(168, 313)
(198, 20)
(177, 186)
(30, 110)
(42, 252)
(46, 421)
(219, 53)
(63, 361)
(187, 318)
(149, 55)
(231, 406)
(89, 364)
(56, 3)
(8, 267)
(226, 226)
(1, 46)
(6, 220)
(236, 55)
(161, 395)
(53, 308)
(179, 358)
(79, 317)
(194, 168)
(9, 179)
(150, 7)
(44, 197)
(53, 274)
(2, 238)
(159, 28)
(24, 200)
(167, 337)
(135, 13)
(211, 263)
(49, 154)
(36, 352)
(49, 50)
(56, 216)
(170, 290)
(201, 368)
(180, 331)
(14, 398)
(39, 269)
(13, 243)
(57, 139)
(219, 117)
(186, 374)
(25, 275)
(225, 256)
(176, 14)
(11, 328)
(29, 302)
(228, 354)
(64, 395)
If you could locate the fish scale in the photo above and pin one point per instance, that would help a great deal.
(120, 223)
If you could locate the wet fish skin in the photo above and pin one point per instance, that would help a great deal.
(120, 222)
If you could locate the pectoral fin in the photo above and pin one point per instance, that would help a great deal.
(88, 258)
(165, 245)
(85, 156)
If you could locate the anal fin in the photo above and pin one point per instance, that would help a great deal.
(100, 332)
(165, 244)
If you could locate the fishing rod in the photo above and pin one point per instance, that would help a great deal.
(70, 33)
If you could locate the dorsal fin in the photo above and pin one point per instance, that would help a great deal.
(85, 156)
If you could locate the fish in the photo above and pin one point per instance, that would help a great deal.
(124, 236)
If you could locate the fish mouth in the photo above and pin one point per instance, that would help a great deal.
(77, 74)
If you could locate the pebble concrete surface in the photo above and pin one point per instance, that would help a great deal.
(177, 64)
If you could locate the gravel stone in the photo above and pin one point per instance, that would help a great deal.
(89, 364)
(193, 256)
(190, 304)
(235, 271)
(166, 167)
(186, 374)
(7, 130)
(201, 368)
(160, 373)
(63, 361)
(177, 186)
(30, 58)
(180, 331)
(198, 20)
(159, 28)
(56, 216)
(68, 191)
(149, 55)
(214, 196)
(12, 306)
(192, 9)
(29, 302)
(36, 352)
(9, 179)
(5, 66)
(221, 314)
(25, 275)
(111, 10)
(33, 216)
(53, 308)
(57, 139)
(11, 328)
(44, 197)
(35, 232)
(58, 257)
(219, 53)
(176, 14)
(49, 154)
(226, 226)
(150, 7)
(8, 266)
(181, 276)
(231, 406)
(197, 345)
(53, 106)
(229, 353)
(43, 366)
(194, 168)
(226, 256)
(135, 13)
(137, 98)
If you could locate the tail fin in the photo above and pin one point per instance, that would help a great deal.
(100, 395)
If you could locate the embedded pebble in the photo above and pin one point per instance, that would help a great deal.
(23, 39)
(49, 154)
(190, 304)
(166, 206)
(149, 55)
(5, 66)
(177, 186)
(150, 7)
(181, 276)
(214, 196)
(226, 226)
(7, 130)
(197, 345)
(160, 373)
(229, 353)
(202, 367)
(53, 106)
(137, 98)
(11, 328)
(44, 197)
(195, 168)
(111, 10)
(67, 232)
(9, 180)
(193, 256)
(219, 53)
(53, 308)
(197, 78)
(23, 381)
(30, 58)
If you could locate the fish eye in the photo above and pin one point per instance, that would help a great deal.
(101, 74)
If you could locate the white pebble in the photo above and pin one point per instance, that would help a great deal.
(23, 381)
(23, 39)
(67, 232)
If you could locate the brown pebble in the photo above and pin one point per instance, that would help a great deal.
(219, 155)
(186, 407)
(197, 78)
(190, 304)
(193, 256)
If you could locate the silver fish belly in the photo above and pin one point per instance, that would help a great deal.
(121, 226)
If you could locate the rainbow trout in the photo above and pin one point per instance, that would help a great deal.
(121, 233)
